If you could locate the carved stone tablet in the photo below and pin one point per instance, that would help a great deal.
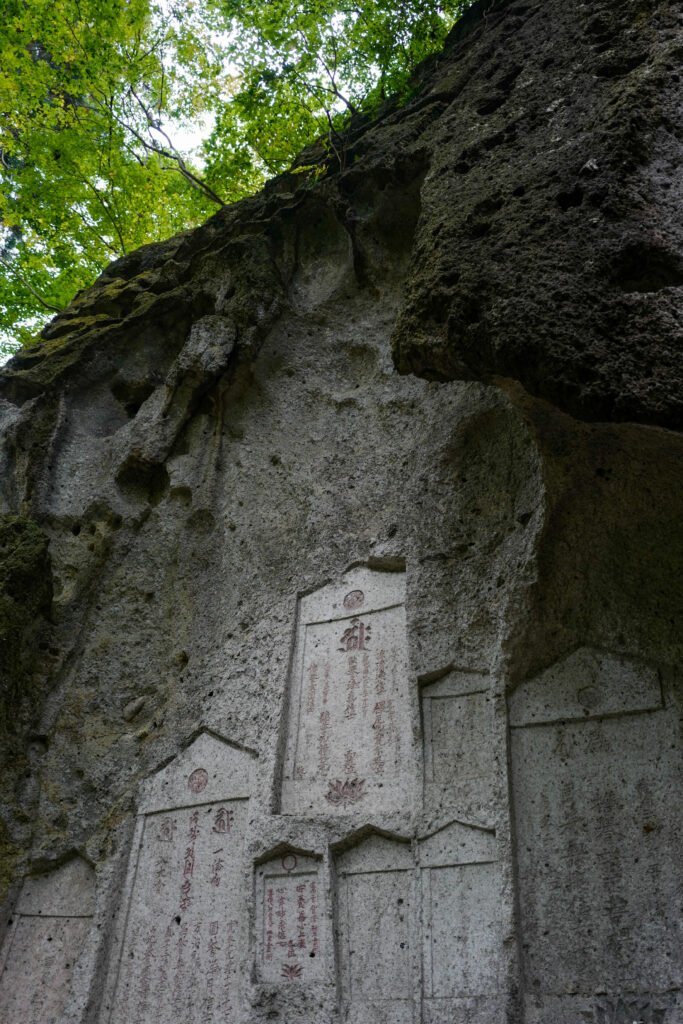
(292, 931)
(43, 943)
(593, 756)
(348, 744)
(457, 720)
(462, 932)
(184, 943)
(378, 932)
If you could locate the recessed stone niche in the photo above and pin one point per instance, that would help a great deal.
(377, 929)
(462, 941)
(595, 764)
(458, 732)
(292, 933)
(44, 940)
(182, 942)
(349, 748)
(421, 916)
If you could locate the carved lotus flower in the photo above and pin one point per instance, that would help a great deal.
(349, 792)
(627, 1011)
(291, 971)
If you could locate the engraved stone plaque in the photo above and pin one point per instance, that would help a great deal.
(594, 759)
(184, 942)
(43, 943)
(378, 931)
(457, 717)
(292, 920)
(348, 744)
(462, 932)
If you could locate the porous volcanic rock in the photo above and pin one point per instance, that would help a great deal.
(211, 452)
(550, 243)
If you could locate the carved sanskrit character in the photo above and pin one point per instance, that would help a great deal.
(356, 637)
(224, 819)
(166, 830)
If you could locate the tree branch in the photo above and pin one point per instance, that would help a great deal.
(41, 300)
(169, 151)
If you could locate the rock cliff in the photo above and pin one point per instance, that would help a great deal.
(340, 561)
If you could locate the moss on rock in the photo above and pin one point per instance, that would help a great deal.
(25, 595)
(9, 855)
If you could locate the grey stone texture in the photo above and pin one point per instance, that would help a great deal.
(338, 694)
(44, 940)
(549, 246)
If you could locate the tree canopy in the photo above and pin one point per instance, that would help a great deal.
(100, 99)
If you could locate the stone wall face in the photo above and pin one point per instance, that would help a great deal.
(50, 926)
(358, 697)
(595, 774)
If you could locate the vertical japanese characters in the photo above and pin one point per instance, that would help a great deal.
(349, 732)
(290, 939)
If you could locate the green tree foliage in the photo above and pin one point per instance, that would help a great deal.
(302, 68)
(95, 93)
(83, 85)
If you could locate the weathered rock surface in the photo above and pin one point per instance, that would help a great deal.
(550, 246)
(333, 693)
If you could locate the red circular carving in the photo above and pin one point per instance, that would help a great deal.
(354, 599)
(289, 862)
(198, 780)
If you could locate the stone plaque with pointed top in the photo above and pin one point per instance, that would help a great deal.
(462, 943)
(377, 924)
(457, 718)
(292, 931)
(349, 734)
(184, 940)
(594, 756)
(43, 942)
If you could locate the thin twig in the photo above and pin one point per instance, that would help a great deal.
(105, 206)
(333, 132)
